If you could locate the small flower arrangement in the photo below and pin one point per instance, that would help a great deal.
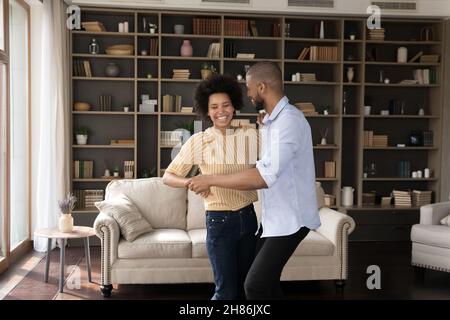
(68, 204)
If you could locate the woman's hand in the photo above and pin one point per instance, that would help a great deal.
(200, 185)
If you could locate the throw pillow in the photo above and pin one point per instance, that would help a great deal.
(130, 220)
(446, 220)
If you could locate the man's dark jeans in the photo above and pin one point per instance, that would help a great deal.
(231, 244)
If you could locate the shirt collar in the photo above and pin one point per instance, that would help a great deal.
(276, 111)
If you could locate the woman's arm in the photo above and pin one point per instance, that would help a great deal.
(175, 181)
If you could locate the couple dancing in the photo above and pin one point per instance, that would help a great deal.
(247, 260)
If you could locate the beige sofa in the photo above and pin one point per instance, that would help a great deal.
(175, 252)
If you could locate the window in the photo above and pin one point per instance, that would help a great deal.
(18, 132)
(3, 78)
(2, 27)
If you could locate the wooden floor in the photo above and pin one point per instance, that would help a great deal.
(398, 280)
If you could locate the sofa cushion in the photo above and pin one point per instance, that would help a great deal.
(198, 238)
(127, 216)
(159, 243)
(196, 216)
(432, 235)
(163, 206)
(314, 245)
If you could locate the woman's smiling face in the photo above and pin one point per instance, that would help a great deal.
(220, 110)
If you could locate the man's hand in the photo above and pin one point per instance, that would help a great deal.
(200, 185)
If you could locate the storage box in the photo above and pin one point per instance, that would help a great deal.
(329, 200)
(368, 198)
(147, 108)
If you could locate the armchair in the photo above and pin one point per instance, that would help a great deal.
(430, 239)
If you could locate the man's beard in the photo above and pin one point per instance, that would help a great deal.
(259, 103)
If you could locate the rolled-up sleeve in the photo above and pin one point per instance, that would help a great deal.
(282, 145)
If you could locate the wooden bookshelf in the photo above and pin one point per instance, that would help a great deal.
(273, 43)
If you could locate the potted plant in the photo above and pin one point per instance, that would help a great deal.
(152, 27)
(82, 135)
(207, 70)
(352, 35)
(116, 171)
(65, 223)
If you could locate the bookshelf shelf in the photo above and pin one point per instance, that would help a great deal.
(399, 179)
(101, 79)
(401, 148)
(102, 147)
(104, 34)
(310, 62)
(281, 46)
(398, 64)
(101, 113)
(313, 40)
(101, 56)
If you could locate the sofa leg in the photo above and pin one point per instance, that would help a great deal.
(419, 274)
(340, 284)
(106, 290)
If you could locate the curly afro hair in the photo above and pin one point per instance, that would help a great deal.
(217, 83)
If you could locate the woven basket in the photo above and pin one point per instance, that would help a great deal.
(120, 50)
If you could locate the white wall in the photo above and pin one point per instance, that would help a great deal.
(437, 8)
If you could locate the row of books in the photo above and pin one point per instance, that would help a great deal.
(105, 102)
(83, 169)
(172, 103)
(330, 169)
(153, 47)
(88, 198)
(372, 140)
(214, 50)
(236, 27)
(376, 34)
(181, 74)
(307, 108)
(171, 138)
(424, 76)
(229, 50)
(82, 68)
(128, 169)
(319, 53)
(207, 26)
(414, 198)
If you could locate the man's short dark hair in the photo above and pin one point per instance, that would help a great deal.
(267, 72)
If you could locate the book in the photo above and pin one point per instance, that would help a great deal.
(253, 29)
(417, 56)
(245, 56)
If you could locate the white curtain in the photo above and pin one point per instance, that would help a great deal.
(51, 116)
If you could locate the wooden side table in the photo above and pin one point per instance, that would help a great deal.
(77, 233)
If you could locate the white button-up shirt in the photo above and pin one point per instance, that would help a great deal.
(287, 167)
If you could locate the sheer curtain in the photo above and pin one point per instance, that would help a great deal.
(51, 122)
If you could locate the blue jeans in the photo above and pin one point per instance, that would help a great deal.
(231, 243)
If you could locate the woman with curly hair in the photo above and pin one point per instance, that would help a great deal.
(231, 221)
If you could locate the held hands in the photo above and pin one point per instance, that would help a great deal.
(199, 185)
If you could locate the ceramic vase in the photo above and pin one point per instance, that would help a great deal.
(186, 49)
(65, 223)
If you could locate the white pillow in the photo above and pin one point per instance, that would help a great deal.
(130, 220)
(446, 220)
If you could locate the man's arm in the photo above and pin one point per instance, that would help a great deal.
(249, 179)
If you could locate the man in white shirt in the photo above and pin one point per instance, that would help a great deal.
(286, 175)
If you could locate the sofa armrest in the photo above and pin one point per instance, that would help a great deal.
(336, 227)
(107, 229)
(434, 213)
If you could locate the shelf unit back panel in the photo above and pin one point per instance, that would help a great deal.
(283, 48)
